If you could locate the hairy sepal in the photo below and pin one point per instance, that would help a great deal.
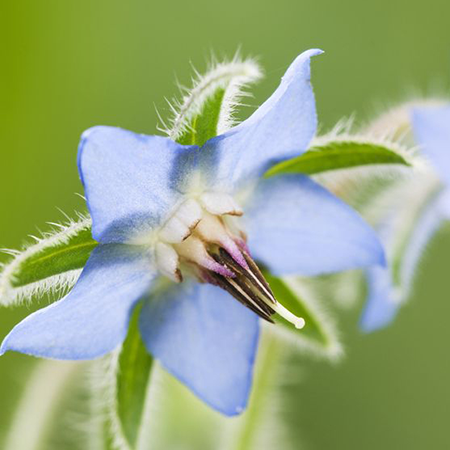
(206, 109)
(51, 265)
(344, 152)
(360, 184)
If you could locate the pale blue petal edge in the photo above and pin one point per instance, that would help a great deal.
(383, 301)
(281, 128)
(92, 319)
(206, 339)
(431, 127)
(384, 298)
(295, 226)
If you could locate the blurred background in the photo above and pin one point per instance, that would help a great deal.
(69, 65)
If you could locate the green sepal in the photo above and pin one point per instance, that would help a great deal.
(133, 375)
(203, 125)
(51, 265)
(339, 154)
(55, 260)
(206, 110)
(315, 329)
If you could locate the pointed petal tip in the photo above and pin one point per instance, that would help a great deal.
(383, 301)
(315, 51)
(215, 341)
(237, 411)
(230, 410)
(3, 348)
(380, 257)
(12, 343)
(302, 61)
(307, 54)
(85, 138)
(377, 254)
(375, 257)
(96, 129)
(92, 320)
(6, 344)
(86, 133)
(369, 325)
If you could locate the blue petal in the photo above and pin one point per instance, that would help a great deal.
(131, 180)
(281, 128)
(206, 339)
(431, 127)
(382, 302)
(295, 226)
(93, 318)
(444, 204)
(385, 296)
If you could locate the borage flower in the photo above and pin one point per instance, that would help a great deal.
(199, 217)
(420, 206)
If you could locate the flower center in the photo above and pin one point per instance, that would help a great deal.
(200, 239)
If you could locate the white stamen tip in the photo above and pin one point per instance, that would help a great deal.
(298, 322)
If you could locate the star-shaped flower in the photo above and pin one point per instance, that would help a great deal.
(164, 211)
(390, 287)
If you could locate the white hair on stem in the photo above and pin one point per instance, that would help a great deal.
(54, 285)
(231, 76)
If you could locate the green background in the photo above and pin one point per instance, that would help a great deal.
(68, 65)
